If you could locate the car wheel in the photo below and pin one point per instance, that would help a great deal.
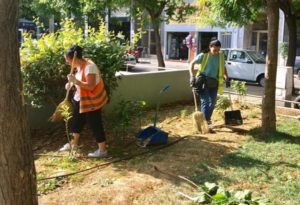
(297, 106)
(261, 81)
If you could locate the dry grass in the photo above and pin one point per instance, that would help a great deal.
(136, 181)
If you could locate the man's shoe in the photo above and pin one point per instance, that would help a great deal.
(67, 147)
(98, 154)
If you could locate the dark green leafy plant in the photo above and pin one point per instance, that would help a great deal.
(43, 65)
(283, 48)
(239, 87)
(128, 113)
(211, 193)
(67, 115)
(222, 103)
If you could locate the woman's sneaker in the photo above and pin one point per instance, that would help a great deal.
(97, 154)
(67, 147)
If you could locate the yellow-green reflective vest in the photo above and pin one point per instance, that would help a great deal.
(221, 69)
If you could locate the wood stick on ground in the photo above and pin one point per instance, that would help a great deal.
(193, 184)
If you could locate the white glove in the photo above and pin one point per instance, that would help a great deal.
(68, 85)
(72, 79)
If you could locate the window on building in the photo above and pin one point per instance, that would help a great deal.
(226, 39)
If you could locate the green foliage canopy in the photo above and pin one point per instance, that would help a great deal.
(224, 12)
(173, 9)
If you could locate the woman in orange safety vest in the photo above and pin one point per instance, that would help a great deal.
(90, 96)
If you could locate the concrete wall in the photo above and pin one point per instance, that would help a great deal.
(146, 86)
(134, 86)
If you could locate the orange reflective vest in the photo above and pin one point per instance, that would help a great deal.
(91, 100)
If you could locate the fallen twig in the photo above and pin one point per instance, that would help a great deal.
(193, 184)
(115, 161)
(186, 196)
(49, 155)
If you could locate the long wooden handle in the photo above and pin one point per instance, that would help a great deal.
(71, 72)
(195, 100)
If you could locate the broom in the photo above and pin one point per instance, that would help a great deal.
(199, 121)
(57, 116)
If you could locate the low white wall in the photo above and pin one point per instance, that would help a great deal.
(146, 86)
(135, 86)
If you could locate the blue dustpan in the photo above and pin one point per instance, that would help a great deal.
(153, 135)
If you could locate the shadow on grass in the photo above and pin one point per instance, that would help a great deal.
(241, 160)
(277, 136)
(194, 157)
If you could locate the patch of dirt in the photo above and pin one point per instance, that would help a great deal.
(136, 181)
(288, 111)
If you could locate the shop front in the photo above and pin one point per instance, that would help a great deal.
(177, 46)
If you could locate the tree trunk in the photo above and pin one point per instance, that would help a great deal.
(160, 59)
(268, 106)
(17, 172)
(292, 27)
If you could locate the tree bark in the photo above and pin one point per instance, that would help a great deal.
(17, 172)
(268, 106)
(160, 58)
(292, 27)
(291, 21)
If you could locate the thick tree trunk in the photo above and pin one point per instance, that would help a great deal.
(268, 106)
(17, 172)
(292, 27)
(160, 59)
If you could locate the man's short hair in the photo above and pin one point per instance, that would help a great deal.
(216, 43)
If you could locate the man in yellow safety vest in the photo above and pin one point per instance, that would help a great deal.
(211, 73)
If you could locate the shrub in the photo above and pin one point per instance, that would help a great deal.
(222, 103)
(239, 88)
(43, 65)
(128, 117)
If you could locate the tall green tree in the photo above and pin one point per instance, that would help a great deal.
(161, 11)
(291, 10)
(223, 11)
(242, 12)
(61, 9)
(17, 171)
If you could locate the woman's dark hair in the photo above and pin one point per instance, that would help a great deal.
(216, 43)
(75, 48)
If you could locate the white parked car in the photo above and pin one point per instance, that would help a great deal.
(245, 65)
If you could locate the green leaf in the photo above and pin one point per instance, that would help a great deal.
(201, 197)
(212, 188)
(243, 195)
(219, 197)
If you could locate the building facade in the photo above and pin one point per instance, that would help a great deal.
(182, 41)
